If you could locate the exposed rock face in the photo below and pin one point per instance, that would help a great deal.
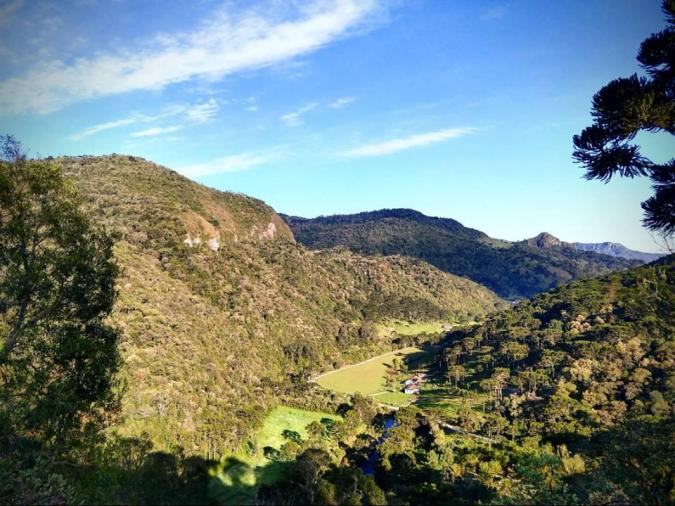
(270, 232)
(192, 241)
(544, 240)
(214, 244)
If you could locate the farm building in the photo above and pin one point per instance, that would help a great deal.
(412, 385)
(412, 389)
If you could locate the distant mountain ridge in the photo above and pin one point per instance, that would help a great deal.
(618, 250)
(512, 269)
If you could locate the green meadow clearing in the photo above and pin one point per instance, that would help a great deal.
(240, 474)
(367, 377)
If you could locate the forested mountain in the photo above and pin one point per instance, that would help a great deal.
(512, 270)
(580, 358)
(565, 399)
(222, 320)
(219, 307)
(617, 250)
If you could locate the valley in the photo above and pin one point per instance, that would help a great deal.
(375, 377)
(244, 259)
(255, 364)
(187, 310)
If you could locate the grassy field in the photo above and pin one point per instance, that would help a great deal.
(367, 377)
(238, 475)
(284, 418)
(397, 399)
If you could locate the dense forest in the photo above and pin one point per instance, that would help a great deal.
(512, 270)
(294, 311)
(567, 398)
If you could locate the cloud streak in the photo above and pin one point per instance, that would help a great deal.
(226, 44)
(294, 119)
(341, 102)
(231, 163)
(413, 141)
(201, 113)
(102, 127)
(152, 132)
(196, 113)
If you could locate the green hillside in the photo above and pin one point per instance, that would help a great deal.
(213, 334)
(512, 270)
(565, 399)
(578, 359)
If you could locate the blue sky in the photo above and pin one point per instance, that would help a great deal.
(457, 109)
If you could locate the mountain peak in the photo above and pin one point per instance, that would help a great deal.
(544, 240)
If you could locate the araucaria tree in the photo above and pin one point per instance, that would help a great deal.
(627, 106)
(58, 358)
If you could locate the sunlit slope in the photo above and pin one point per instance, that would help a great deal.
(223, 315)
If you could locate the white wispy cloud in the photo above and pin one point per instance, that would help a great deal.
(228, 43)
(152, 132)
(8, 9)
(230, 163)
(101, 127)
(413, 141)
(201, 113)
(293, 119)
(341, 102)
(196, 113)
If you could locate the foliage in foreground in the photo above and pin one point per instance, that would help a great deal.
(622, 109)
(58, 356)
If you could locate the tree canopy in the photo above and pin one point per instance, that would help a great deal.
(58, 357)
(622, 109)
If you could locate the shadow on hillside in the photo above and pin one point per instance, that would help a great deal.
(236, 482)
(422, 359)
(129, 473)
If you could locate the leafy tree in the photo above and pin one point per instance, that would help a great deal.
(292, 435)
(456, 372)
(58, 358)
(627, 106)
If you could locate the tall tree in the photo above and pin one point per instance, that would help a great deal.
(58, 358)
(627, 106)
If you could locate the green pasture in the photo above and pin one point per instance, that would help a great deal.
(284, 418)
(397, 399)
(240, 474)
(367, 377)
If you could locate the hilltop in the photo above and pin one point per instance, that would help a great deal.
(135, 199)
(512, 269)
(220, 310)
